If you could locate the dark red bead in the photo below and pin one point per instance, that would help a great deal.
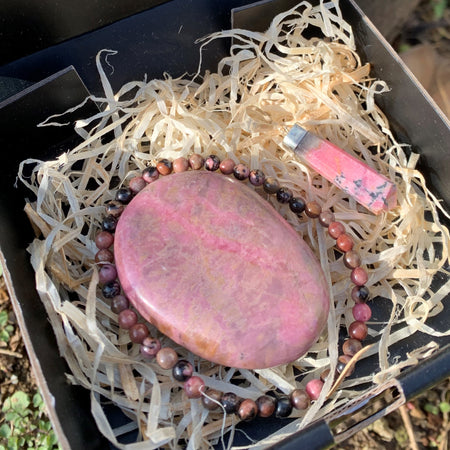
(351, 346)
(182, 370)
(166, 357)
(284, 194)
(362, 312)
(194, 387)
(104, 256)
(359, 276)
(150, 347)
(284, 406)
(313, 210)
(297, 205)
(164, 166)
(136, 184)
(180, 164)
(211, 399)
(127, 318)
(150, 174)
(360, 294)
(326, 218)
(335, 229)
(111, 289)
(119, 303)
(266, 405)
(230, 402)
(271, 185)
(352, 259)
(257, 177)
(358, 330)
(212, 163)
(314, 388)
(124, 196)
(107, 273)
(138, 332)
(109, 224)
(196, 161)
(104, 239)
(344, 242)
(300, 399)
(241, 172)
(227, 166)
(247, 410)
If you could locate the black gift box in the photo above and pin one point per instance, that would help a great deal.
(153, 37)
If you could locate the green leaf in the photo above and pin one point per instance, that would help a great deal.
(4, 336)
(433, 409)
(5, 431)
(3, 318)
(444, 407)
(37, 400)
(439, 9)
(20, 402)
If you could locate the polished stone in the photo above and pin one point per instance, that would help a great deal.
(215, 267)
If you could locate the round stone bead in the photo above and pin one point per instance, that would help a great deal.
(150, 347)
(284, 407)
(119, 303)
(314, 388)
(111, 289)
(271, 185)
(114, 208)
(313, 210)
(150, 174)
(194, 387)
(138, 332)
(359, 276)
(340, 366)
(297, 205)
(324, 375)
(227, 166)
(196, 161)
(362, 312)
(136, 184)
(360, 294)
(358, 330)
(107, 273)
(211, 399)
(247, 410)
(124, 196)
(256, 177)
(284, 195)
(109, 224)
(164, 166)
(180, 164)
(352, 259)
(230, 402)
(351, 347)
(212, 163)
(300, 399)
(326, 218)
(241, 172)
(166, 357)
(104, 239)
(345, 359)
(104, 256)
(344, 242)
(182, 370)
(266, 405)
(127, 318)
(335, 229)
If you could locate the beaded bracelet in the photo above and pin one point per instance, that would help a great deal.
(166, 357)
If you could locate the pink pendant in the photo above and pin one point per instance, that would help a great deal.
(213, 266)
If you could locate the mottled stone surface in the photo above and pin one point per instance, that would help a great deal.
(212, 265)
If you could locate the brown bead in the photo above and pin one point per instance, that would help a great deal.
(360, 294)
(344, 360)
(335, 229)
(247, 410)
(194, 387)
(104, 239)
(164, 167)
(136, 184)
(313, 210)
(114, 208)
(119, 303)
(300, 399)
(352, 259)
(104, 256)
(351, 347)
(138, 333)
(358, 330)
(266, 405)
(227, 166)
(127, 319)
(150, 347)
(325, 218)
(209, 403)
(359, 276)
(324, 375)
(180, 164)
(344, 242)
(196, 161)
(166, 358)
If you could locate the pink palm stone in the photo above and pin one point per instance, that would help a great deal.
(214, 267)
